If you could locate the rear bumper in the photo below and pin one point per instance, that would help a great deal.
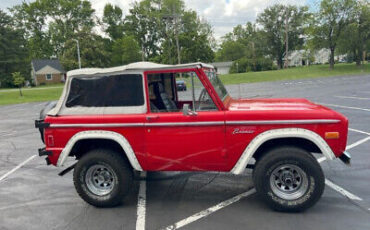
(44, 152)
(346, 158)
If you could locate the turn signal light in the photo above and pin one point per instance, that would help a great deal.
(331, 135)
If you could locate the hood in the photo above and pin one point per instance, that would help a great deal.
(283, 108)
(273, 104)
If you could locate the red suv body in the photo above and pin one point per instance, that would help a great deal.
(137, 112)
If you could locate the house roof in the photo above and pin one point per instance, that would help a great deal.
(38, 64)
(140, 66)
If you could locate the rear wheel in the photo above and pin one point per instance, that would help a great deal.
(102, 178)
(289, 179)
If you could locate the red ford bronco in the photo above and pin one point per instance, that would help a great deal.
(134, 118)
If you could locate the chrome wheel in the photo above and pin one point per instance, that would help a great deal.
(100, 179)
(288, 182)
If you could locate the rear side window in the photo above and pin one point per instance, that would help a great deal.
(106, 91)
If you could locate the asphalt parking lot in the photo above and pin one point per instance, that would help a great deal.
(33, 196)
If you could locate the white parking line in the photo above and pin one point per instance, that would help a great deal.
(321, 159)
(345, 107)
(234, 199)
(359, 131)
(16, 168)
(358, 98)
(337, 187)
(341, 190)
(141, 204)
(357, 143)
(210, 210)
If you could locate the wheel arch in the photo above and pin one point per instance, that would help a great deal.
(302, 138)
(111, 140)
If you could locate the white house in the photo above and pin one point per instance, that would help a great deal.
(222, 67)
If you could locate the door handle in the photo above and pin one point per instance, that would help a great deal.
(151, 118)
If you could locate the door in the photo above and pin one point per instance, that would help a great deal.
(178, 141)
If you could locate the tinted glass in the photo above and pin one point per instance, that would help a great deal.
(106, 91)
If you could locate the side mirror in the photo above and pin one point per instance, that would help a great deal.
(188, 112)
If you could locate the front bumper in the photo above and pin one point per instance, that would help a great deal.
(346, 158)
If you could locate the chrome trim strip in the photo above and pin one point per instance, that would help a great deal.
(283, 122)
(200, 123)
(103, 125)
(122, 125)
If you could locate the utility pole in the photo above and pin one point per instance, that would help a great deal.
(142, 53)
(78, 53)
(175, 18)
(254, 55)
(177, 41)
(286, 37)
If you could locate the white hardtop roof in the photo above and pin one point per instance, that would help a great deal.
(143, 66)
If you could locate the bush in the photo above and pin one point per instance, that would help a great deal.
(250, 65)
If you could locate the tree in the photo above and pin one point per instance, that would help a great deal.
(92, 50)
(277, 21)
(332, 19)
(188, 39)
(125, 50)
(67, 19)
(246, 47)
(355, 37)
(13, 50)
(113, 21)
(31, 18)
(18, 80)
(231, 51)
(144, 23)
(168, 33)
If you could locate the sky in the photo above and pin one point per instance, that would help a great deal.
(223, 15)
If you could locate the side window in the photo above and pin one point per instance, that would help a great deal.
(106, 91)
(169, 92)
(49, 77)
(162, 92)
(201, 101)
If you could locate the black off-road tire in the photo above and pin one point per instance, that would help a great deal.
(278, 158)
(121, 173)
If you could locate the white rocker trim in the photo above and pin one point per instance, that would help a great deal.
(280, 133)
(97, 134)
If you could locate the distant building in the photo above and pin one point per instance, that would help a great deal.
(321, 56)
(297, 58)
(222, 67)
(47, 71)
(301, 57)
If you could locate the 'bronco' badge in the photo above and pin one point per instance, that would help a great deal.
(241, 131)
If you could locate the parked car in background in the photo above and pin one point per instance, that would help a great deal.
(132, 118)
(181, 85)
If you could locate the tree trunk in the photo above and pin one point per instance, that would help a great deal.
(331, 60)
(20, 91)
(280, 62)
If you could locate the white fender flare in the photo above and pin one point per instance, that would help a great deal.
(280, 133)
(98, 134)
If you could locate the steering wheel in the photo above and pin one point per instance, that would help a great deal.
(202, 95)
(204, 99)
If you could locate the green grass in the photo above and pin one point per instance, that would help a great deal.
(8, 97)
(53, 92)
(295, 73)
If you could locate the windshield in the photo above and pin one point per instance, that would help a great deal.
(217, 84)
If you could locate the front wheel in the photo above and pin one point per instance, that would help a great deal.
(102, 178)
(289, 179)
